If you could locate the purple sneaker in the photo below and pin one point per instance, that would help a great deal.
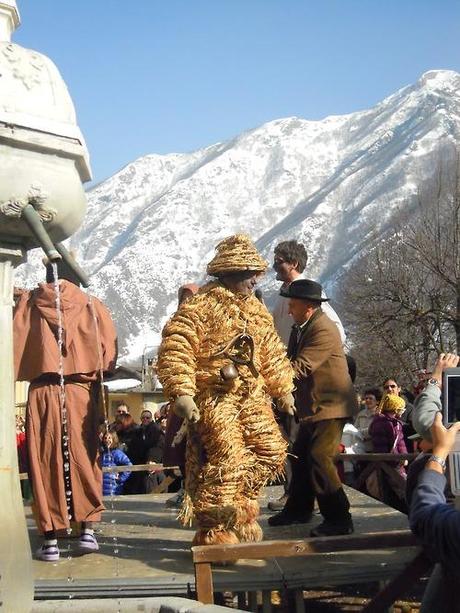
(88, 543)
(48, 553)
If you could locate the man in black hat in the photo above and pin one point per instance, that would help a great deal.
(325, 398)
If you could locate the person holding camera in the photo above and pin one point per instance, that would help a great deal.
(428, 402)
(432, 520)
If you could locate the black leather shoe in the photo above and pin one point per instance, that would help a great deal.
(328, 528)
(286, 519)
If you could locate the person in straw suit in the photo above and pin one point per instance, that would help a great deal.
(220, 363)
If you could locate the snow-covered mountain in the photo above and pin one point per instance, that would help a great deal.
(334, 184)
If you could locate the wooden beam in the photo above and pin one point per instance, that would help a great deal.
(364, 474)
(150, 467)
(241, 600)
(299, 601)
(203, 582)
(266, 601)
(419, 566)
(252, 601)
(306, 547)
(375, 457)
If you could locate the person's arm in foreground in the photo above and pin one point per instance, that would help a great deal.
(436, 523)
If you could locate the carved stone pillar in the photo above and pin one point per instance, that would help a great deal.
(16, 579)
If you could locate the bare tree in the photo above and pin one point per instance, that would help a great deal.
(402, 299)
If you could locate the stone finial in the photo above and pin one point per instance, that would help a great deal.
(9, 19)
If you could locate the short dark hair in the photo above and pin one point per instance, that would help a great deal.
(373, 391)
(390, 379)
(292, 251)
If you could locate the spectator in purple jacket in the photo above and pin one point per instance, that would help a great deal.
(386, 428)
(386, 433)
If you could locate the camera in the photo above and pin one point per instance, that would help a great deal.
(451, 414)
(451, 396)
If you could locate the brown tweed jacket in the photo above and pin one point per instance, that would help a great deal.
(324, 388)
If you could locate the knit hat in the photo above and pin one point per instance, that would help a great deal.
(235, 254)
(392, 403)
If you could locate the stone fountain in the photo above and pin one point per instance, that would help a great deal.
(43, 163)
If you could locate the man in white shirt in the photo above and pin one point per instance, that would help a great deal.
(290, 260)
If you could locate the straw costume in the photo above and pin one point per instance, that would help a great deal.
(221, 350)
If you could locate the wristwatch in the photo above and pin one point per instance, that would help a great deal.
(438, 460)
(434, 382)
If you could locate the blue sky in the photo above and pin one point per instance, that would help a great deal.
(175, 75)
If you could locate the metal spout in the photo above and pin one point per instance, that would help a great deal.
(54, 252)
(32, 219)
(73, 264)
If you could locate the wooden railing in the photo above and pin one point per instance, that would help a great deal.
(204, 556)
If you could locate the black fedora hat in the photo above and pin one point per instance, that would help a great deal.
(304, 289)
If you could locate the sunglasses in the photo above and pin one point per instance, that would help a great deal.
(390, 387)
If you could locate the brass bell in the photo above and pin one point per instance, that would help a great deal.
(229, 372)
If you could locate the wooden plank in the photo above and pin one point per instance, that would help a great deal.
(375, 457)
(203, 581)
(364, 474)
(420, 565)
(241, 599)
(155, 558)
(306, 547)
(299, 602)
(150, 467)
(266, 601)
(252, 601)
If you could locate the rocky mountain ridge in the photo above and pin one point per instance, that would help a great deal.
(334, 184)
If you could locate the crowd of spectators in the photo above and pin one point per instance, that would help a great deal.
(383, 425)
(127, 442)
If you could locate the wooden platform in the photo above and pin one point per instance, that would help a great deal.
(145, 552)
